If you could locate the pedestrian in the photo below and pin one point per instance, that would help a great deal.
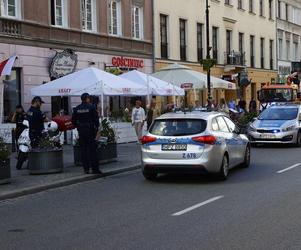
(86, 120)
(36, 121)
(152, 114)
(232, 104)
(242, 105)
(252, 106)
(223, 107)
(18, 118)
(138, 119)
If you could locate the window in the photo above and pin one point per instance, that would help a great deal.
(241, 42)
(115, 18)
(295, 52)
(279, 9)
(251, 6)
(231, 125)
(59, 13)
(12, 93)
(200, 41)
(239, 4)
(137, 22)
(164, 37)
(270, 9)
(286, 12)
(261, 8)
(214, 125)
(262, 53)
(280, 48)
(271, 54)
(11, 8)
(252, 51)
(228, 2)
(214, 43)
(183, 55)
(228, 41)
(88, 11)
(178, 127)
(288, 49)
(222, 124)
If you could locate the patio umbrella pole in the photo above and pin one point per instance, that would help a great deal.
(102, 101)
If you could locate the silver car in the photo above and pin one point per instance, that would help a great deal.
(277, 124)
(194, 142)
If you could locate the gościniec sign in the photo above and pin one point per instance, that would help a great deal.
(63, 63)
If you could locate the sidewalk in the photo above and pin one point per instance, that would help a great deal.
(22, 183)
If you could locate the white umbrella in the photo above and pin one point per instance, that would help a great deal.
(187, 78)
(155, 86)
(93, 81)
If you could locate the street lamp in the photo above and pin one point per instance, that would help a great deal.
(208, 54)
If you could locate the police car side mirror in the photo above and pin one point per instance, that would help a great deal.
(237, 130)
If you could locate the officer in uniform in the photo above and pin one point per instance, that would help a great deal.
(86, 120)
(36, 121)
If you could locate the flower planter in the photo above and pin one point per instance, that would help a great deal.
(45, 162)
(105, 153)
(5, 172)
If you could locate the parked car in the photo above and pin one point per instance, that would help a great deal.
(193, 142)
(277, 124)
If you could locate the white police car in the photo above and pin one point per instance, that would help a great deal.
(193, 142)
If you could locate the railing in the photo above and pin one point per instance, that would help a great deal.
(252, 61)
(271, 64)
(235, 58)
(10, 27)
(164, 50)
(215, 54)
(200, 54)
(183, 53)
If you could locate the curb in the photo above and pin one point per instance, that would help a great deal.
(63, 183)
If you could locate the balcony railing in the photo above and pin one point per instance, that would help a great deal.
(10, 27)
(235, 58)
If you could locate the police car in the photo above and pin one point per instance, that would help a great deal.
(193, 142)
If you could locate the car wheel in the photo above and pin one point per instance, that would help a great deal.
(224, 170)
(298, 141)
(150, 176)
(247, 158)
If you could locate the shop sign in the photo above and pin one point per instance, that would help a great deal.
(127, 62)
(63, 63)
(186, 85)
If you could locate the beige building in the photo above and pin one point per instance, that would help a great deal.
(242, 37)
(288, 37)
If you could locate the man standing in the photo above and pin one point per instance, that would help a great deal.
(36, 121)
(86, 120)
(252, 106)
(152, 114)
(138, 118)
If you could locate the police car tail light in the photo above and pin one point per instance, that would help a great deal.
(206, 139)
(147, 139)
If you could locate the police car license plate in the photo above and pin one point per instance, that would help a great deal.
(267, 136)
(174, 147)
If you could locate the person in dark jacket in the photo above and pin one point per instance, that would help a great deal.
(86, 120)
(18, 118)
(36, 121)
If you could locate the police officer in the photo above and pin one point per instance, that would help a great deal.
(36, 121)
(86, 120)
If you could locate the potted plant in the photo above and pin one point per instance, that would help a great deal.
(4, 163)
(47, 157)
(106, 145)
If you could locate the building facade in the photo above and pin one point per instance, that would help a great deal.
(113, 35)
(242, 38)
(288, 37)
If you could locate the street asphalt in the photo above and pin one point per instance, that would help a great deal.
(256, 208)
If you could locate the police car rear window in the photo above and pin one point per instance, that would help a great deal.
(178, 127)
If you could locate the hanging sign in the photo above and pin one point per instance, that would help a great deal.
(63, 63)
